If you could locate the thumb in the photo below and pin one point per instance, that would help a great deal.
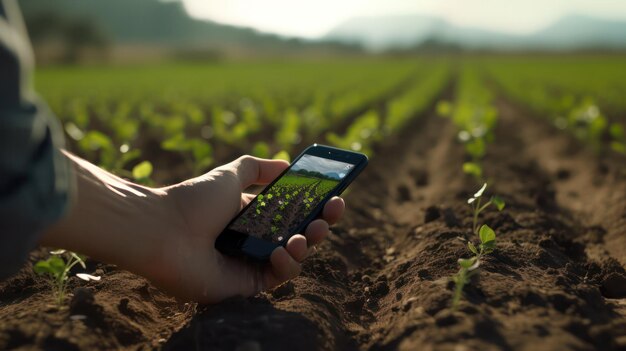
(253, 170)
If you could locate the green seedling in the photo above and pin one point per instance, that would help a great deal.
(444, 108)
(475, 203)
(618, 137)
(142, 172)
(462, 277)
(57, 268)
(487, 238)
(474, 169)
(282, 155)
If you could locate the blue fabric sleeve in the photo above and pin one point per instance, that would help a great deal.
(35, 178)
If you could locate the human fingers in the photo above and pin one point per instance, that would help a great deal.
(252, 170)
(246, 198)
(333, 210)
(316, 231)
(282, 267)
(297, 247)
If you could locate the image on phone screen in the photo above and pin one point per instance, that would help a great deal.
(279, 210)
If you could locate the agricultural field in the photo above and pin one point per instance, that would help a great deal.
(492, 215)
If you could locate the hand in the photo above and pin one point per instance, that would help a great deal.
(207, 204)
(168, 235)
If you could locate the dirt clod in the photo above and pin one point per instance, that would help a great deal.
(432, 213)
(284, 290)
(614, 286)
(404, 193)
(450, 218)
(83, 301)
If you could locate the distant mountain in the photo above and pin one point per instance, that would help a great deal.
(160, 23)
(386, 32)
(155, 22)
(315, 174)
(409, 31)
(583, 31)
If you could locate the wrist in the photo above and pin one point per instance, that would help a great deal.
(113, 220)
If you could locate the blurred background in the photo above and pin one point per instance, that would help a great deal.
(444, 96)
(79, 31)
(180, 86)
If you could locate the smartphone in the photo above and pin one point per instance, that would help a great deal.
(287, 205)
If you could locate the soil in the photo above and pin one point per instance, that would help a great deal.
(556, 280)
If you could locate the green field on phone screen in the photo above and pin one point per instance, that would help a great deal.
(284, 206)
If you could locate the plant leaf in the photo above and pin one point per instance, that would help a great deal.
(57, 264)
(473, 168)
(480, 192)
(143, 170)
(176, 143)
(261, 150)
(486, 234)
(471, 200)
(467, 262)
(616, 131)
(489, 244)
(282, 155)
(444, 108)
(496, 200)
(42, 267)
(95, 140)
(618, 147)
(471, 247)
(488, 247)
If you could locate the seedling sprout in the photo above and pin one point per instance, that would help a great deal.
(487, 237)
(475, 202)
(57, 267)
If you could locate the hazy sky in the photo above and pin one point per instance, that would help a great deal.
(313, 18)
(322, 165)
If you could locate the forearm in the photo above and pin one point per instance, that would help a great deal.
(111, 220)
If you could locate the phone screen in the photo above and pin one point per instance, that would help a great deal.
(279, 210)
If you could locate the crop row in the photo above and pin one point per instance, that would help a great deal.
(111, 114)
(376, 124)
(475, 117)
(583, 96)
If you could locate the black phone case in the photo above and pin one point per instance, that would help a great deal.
(239, 244)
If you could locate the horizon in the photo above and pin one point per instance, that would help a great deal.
(321, 165)
(316, 19)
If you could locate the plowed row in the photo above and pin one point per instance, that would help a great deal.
(382, 281)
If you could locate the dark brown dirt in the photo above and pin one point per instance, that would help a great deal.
(122, 310)
(555, 282)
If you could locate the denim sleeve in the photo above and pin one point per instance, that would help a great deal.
(34, 177)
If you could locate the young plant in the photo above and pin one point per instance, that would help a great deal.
(618, 143)
(141, 173)
(487, 237)
(57, 267)
(475, 203)
(462, 277)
